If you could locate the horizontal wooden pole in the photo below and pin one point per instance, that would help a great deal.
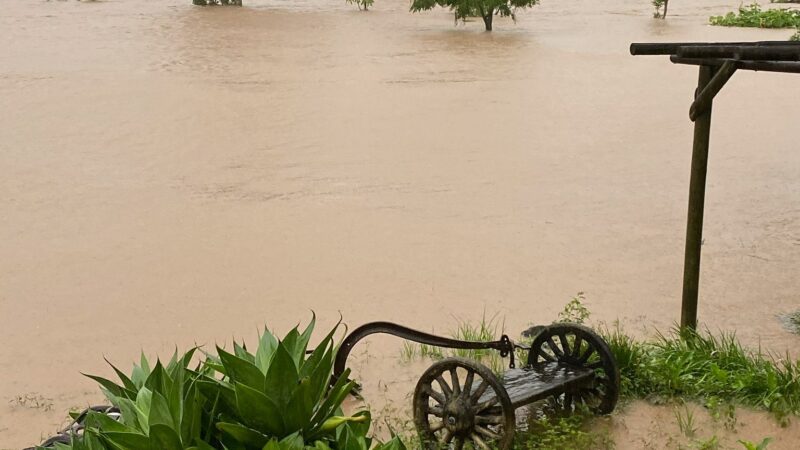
(786, 52)
(671, 48)
(765, 66)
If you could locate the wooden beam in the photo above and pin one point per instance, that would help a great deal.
(703, 100)
(671, 48)
(697, 193)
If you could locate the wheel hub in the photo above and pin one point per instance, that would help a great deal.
(458, 417)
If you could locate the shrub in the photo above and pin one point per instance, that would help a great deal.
(753, 16)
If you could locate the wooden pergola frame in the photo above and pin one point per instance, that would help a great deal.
(718, 62)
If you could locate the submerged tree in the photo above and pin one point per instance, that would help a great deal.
(485, 9)
(658, 4)
(362, 4)
(217, 2)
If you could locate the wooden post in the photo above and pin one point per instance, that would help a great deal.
(697, 193)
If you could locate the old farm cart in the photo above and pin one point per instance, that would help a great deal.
(718, 62)
(460, 403)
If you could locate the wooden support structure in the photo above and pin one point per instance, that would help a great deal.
(718, 62)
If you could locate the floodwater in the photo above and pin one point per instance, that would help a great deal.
(172, 175)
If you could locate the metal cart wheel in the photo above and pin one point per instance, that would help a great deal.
(460, 404)
(578, 346)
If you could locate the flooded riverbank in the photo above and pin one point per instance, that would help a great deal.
(172, 175)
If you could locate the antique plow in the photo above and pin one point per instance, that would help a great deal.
(460, 403)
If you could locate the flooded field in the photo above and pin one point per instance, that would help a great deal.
(172, 175)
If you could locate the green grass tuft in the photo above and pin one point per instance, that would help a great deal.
(694, 365)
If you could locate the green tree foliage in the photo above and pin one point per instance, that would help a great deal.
(485, 9)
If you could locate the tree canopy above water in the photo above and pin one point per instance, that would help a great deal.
(485, 9)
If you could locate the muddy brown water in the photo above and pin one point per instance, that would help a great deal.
(172, 175)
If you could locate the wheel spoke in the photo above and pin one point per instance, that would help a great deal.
(456, 383)
(487, 432)
(546, 356)
(447, 436)
(479, 392)
(445, 387)
(459, 443)
(468, 383)
(489, 420)
(436, 411)
(568, 401)
(552, 344)
(595, 365)
(576, 350)
(480, 407)
(586, 355)
(564, 344)
(428, 390)
(477, 439)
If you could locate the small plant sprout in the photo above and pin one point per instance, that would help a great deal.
(753, 446)
(685, 421)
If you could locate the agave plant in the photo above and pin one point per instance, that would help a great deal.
(281, 397)
(282, 391)
(159, 408)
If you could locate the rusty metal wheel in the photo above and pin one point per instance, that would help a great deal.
(460, 404)
(578, 346)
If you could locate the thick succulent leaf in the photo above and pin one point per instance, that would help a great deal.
(192, 415)
(292, 344)
(163, 437)
(305, 337)
(243, 434)
(175, 395)
(293, 442)
(267, 344)
(112, 388)
(131, 414)
(258, 411)
(359, 423)
(349, 440)
(331, 404)
(219, 392)
(127, 383)
(140, 372)
(240, 370)
(300, 408)
(241, 352)
(158, 380)
(102, 421)
(126, 441)
(201, 445)
(282, 377)
(160, 412)
(143, 400)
